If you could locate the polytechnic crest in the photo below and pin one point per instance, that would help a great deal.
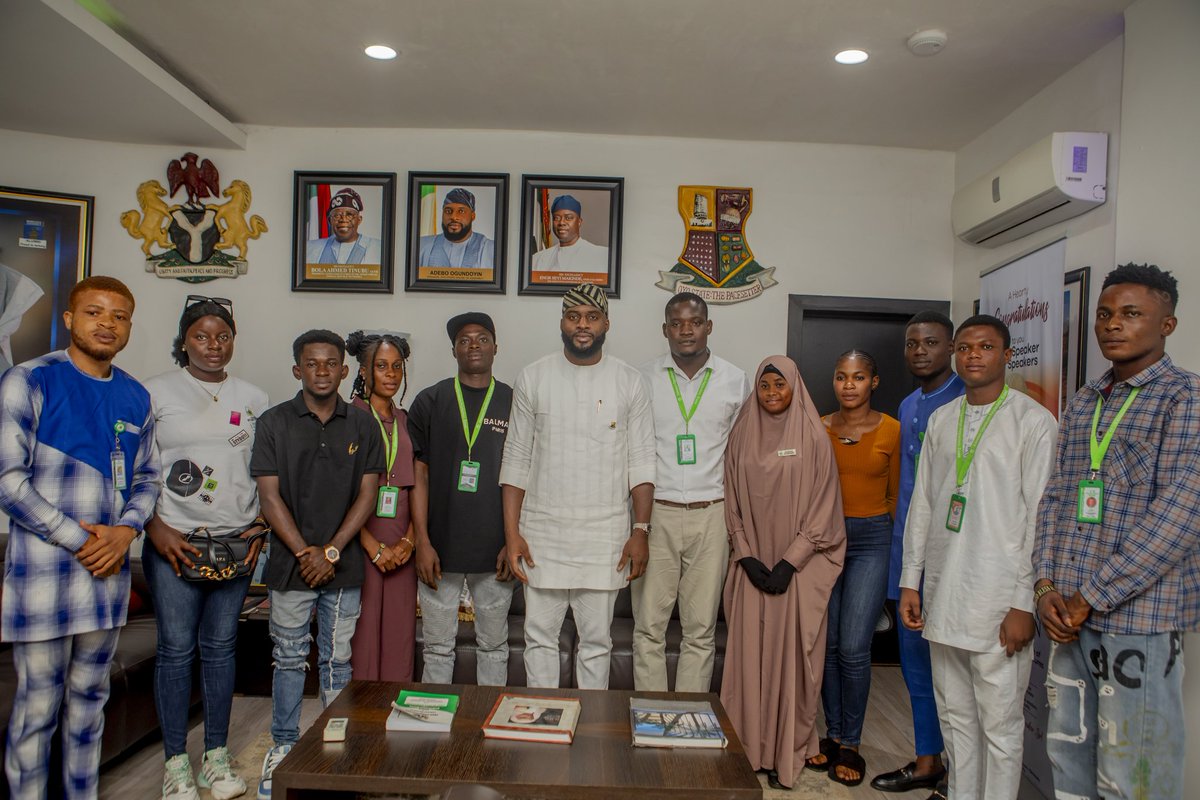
(716, 262)
(194, 236)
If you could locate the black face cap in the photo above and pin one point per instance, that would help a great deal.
(457, 323)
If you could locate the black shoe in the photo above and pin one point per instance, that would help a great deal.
(903, 779)
(941, 792)
(773, 781)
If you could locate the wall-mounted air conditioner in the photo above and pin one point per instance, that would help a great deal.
(1060, 177)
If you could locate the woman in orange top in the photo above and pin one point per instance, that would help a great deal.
(866, 445)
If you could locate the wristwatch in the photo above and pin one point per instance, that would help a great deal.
(642, 526)
(332, 555)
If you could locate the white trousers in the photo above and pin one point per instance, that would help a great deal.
(545, 610)
(980, 700)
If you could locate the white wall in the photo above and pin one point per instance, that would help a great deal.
(842, 220)
(1088, 98)
(1159, 215)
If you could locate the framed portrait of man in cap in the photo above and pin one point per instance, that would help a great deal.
(456, 232)
(570, 233)
(344, 232)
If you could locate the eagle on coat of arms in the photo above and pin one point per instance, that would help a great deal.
(194, 235)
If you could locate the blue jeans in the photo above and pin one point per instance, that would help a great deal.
(854, 609)
(191, 614)
(291, 614)
(1116, 716)
(439, 625)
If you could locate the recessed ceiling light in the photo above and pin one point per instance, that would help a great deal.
(381, 52)
(851, 57)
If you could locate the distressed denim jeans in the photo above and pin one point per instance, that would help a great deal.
(291, 613)
(1116, 727)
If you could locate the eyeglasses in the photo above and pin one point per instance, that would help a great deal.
(193, 299)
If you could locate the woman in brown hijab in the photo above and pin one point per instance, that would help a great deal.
(783, 511)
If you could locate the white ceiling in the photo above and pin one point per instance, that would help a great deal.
(727, 69)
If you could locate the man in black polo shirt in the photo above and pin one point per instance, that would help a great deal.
(457, 429)
(317, 462)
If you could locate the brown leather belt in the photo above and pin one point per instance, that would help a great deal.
(689, 506)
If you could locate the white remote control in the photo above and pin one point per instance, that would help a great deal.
(335, 729)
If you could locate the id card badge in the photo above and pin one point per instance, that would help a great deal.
(954, 517)
(468, 476)
(685, 448)
(386, 502)
(1090, 507)
(118, 471)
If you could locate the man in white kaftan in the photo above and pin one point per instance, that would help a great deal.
(579, 455)
(573, 253)
(969, 534)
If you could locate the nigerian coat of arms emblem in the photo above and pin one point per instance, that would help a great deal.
(716, 262)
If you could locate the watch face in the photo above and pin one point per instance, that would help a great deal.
(332, 554)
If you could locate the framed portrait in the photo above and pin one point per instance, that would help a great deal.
(344, 232)
(1076, 321)
(45, 249)
(456, 232)
(570, 233)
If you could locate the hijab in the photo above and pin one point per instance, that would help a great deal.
(781, 473)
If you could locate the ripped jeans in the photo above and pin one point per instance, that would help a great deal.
(291, 613)
(1116, 716)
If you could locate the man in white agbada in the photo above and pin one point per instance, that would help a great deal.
(573, 253)
(579, 454)
(970, 530)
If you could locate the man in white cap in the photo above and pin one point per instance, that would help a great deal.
(579, 456)
(572, 253)
(458, 245)
(345, 245)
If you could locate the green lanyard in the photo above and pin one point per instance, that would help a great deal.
(391, 448)
(687, 415)
(962, 462)
(462, 412)
(1100, 447)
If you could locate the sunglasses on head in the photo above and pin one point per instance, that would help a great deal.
(193, 299)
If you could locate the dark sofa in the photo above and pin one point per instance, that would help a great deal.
(129, 715)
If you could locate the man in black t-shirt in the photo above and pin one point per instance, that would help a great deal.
(317, 462)
(457, 427)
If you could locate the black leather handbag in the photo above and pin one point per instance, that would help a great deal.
(222, 558)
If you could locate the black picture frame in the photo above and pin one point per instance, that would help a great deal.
(311, 191)
(63, 224)
(486, 198)
(1076, 322)
(598, 197)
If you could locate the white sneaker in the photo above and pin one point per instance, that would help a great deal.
(274, 756)
(217, 775)
(178, 783)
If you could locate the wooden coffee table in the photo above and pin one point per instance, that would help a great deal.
(601, 764)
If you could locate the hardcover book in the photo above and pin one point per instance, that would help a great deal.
(422, 711)
(533, 719)
(674, 723)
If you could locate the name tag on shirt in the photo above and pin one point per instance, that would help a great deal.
(385, 504)
(468, 476)
(118, 471)
(954, 515)
(1090, 507)
(685, 448)
(791, 451)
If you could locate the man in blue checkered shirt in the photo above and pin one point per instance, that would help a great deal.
(1118, 554)
(78, 478)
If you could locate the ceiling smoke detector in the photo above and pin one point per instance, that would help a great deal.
(927, 43)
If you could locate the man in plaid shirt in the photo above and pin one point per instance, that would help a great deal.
(78, 478)
(1118, 554)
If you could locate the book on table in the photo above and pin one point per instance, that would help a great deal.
(674, 723)
(422, 711)
(533, 719)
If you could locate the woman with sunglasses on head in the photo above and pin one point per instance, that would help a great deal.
(866, 445)
(385, 636)
(205, 424)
